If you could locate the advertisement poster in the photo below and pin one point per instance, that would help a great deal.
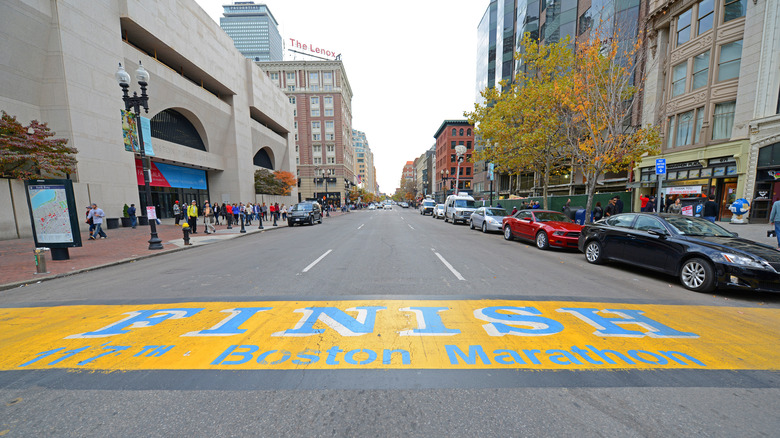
(687, 210)
(53, 213)
(146, 131)
(151, 213)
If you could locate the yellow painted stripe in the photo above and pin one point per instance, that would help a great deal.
(714, 337)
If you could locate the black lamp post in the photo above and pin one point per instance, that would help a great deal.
(135, 103)
(445, 176)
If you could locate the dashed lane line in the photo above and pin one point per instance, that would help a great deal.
(306, 269)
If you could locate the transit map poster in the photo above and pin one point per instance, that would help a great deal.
(53, 213)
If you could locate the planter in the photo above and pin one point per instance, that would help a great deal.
(126, 222)
(143, 220)
(112, 222)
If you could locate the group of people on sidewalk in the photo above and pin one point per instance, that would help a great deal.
(230, 214)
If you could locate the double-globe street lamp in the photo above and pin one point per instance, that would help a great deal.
(445, 176)
(135, 103)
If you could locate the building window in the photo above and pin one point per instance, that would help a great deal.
(452, 144)
(452, 158)
(468, 132)
(317, 160)
(701, 70)
(706, 14)
(291, 88)
(317, 149)
(327, 77)
(328, 101)
(684, 27)
(290, 76)
(461, 131)
(170, 125)
(330, 136)
(292, 100)
(468, 144)
(314, 88)
(723, 120)
(452, 170)
(327, 87)
(274, 76)
(329, 126)
(734, 9)
(314, 78)
(331, 160)
(328, 112)
(331, 148)
(697, 126)
(670, 132)
(316, 126)
(679, 74)
(684, 129)
(454, 131)
(729, 61)
(468, 171)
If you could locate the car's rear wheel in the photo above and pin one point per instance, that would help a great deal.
(593, 253)
(471, 224)
(698, 275)
(484, 227)
(541, 240)
(507, 232)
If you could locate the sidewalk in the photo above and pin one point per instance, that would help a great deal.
(17, 262)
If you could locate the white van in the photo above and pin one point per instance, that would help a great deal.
(458, 208)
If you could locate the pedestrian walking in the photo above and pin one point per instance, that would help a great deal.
(176, 212)
(277, 214)
(208, 218)
(249, 212)
(598, 212)
(774, 219)
(675, 208)
(90, 222)
(131, 213)
(97, 216)
(618, 205)
(216, 212)
(710, 210)
(611, 210)
(650, 207)
(192, 217)
(265, 212)
(228, 214)
(284, 213)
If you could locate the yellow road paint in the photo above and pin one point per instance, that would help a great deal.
(390, 334)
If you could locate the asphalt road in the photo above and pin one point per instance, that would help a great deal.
(388, 260)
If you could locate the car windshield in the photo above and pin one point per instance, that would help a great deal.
(692, 226)
(465, 203)
(549, 216)
(428, 203)
(302, 207)
(495, 212)
(440, 206)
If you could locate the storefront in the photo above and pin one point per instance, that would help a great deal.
(170, 183)
(767, 186)
(718, 181)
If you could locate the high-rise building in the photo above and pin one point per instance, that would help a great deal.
(364, 162)
(254, 30)
(322, 99)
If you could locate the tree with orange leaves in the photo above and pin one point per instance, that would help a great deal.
(287, 181)
(605, 84)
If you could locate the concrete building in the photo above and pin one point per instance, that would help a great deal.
(713, 88)
(214, 114)
(253, 29)
(365, 172)
(453, 133)
(322, 97)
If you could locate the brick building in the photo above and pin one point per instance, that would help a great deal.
(453, 133)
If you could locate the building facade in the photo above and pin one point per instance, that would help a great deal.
(450, 135)
(322, 96)
(213, 113)
(365, 172)
(253, 29)
(713, 89)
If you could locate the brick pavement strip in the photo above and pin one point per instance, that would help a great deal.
(17, 262)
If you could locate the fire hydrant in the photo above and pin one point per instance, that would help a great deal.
(185, 229)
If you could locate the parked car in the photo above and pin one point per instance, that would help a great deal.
(438, 211)
(458, 208)
(702, 254)
(487, 219)
(372, 207)
(544, 227)
(404, 205)
(387, 206)
(427, 206)
(305, 213)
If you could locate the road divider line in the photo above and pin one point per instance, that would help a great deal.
(449, 266)
(410, 226)
(361, 226)
(306, 269)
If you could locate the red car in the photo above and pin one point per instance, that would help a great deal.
(546, 228)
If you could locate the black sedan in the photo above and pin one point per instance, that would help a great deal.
(704, 255)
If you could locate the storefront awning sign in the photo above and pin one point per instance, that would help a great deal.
(684, 190)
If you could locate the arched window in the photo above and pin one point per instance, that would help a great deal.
(170, 125)
(454, 131)
(461, 131)
(262, 159)
(468, 132)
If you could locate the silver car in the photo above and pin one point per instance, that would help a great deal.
(438, 211)
(487, 219)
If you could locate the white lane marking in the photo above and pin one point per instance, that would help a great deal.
(306, 269)
(410, 226)
(361, 226)
(449, 266)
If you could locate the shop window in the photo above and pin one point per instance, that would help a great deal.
(170, 125)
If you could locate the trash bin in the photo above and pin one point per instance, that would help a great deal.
(112, 223)
(40, 261)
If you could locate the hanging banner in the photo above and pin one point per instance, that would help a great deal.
(129, 132)
(146, 131)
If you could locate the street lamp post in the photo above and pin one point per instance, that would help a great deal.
(445, 176)
(459, 151)
(135, 103)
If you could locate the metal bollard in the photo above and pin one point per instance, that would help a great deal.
(40, 261)
(185, 229)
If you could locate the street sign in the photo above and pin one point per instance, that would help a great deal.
(660, 166)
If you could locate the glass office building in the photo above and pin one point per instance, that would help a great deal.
(254, 30)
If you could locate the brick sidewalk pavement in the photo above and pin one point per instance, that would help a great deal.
(17, 262)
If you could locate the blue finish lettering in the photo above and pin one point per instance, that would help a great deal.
(429, 322)
(230, 325)
(475, 351)
(245, 355)
(608, 326)
(350, 356)
(522, 316)
(336, 319)
(137, 319)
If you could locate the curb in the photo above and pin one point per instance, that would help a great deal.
(24, 283)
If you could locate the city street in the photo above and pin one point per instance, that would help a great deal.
(384, 323)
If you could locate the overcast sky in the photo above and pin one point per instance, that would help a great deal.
(411, 65)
